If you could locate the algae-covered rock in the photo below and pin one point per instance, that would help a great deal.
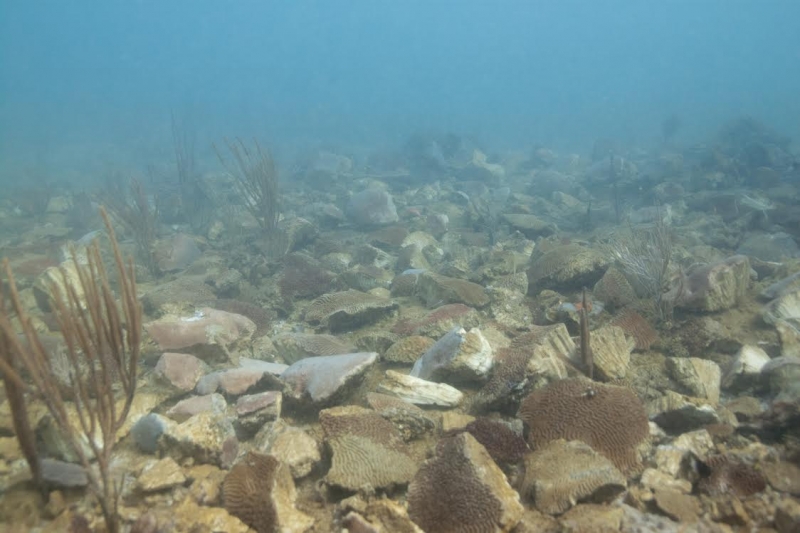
(372, 207)
(564, 266)
(530, 225)
(718, 286)
(209, 327)
(700, 377)
(436, 290)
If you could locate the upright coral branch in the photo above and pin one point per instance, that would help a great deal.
(587, 356)
(133, 210)
(256, 178)
(103, 342)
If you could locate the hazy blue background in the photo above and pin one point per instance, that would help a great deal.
(83, 82)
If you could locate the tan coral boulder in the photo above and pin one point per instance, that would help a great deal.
(562, 473)
(366, 449)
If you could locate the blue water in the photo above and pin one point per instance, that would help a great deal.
(90, 83)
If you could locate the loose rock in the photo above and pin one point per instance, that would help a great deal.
(319, 379)
(419, 391)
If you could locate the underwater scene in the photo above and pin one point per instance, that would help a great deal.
(400, 267)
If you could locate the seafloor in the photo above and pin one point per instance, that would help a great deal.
(436, 339)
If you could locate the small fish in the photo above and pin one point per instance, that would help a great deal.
(87, 239)
(593, 308)
(759, 204)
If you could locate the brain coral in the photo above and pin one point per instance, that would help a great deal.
(247, 488)
(259, 490)
(461, 490)
(408, 349)
(348, 309)
(303, 278)
(366, 449)
(610, 419)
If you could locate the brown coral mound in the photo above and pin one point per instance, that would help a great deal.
(610, 419)
(637, 327)
(723, 475)
(461, 490)
(509, 372)
(247, 491)
(404, 284)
